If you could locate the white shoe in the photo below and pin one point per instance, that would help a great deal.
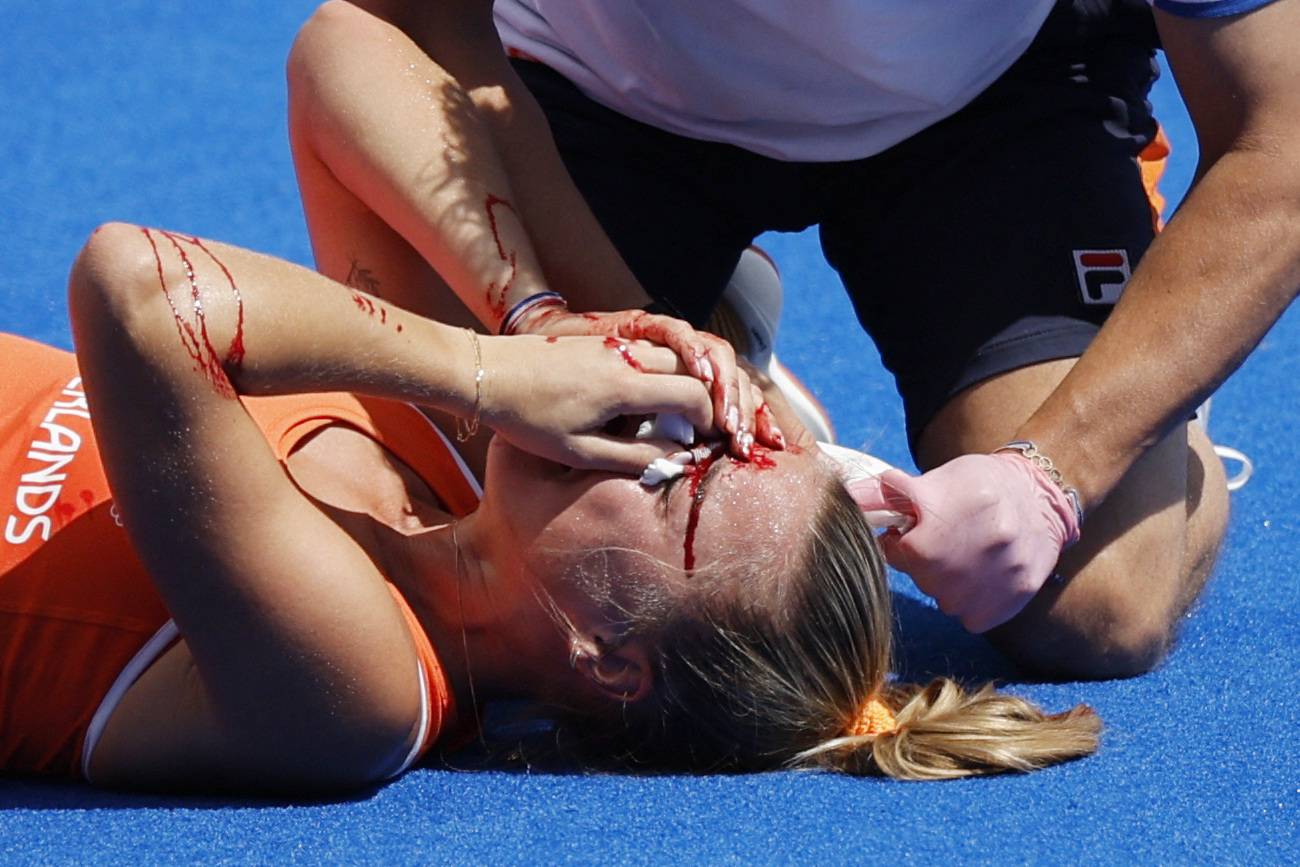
(754, 294)
(1226, 453)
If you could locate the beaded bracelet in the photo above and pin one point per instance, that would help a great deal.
(1029, 450)
(526, 306)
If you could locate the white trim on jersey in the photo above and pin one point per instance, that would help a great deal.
(144, 657)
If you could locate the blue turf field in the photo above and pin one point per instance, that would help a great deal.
(172, 115)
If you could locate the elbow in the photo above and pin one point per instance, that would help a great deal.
(113, 285)
(315, 38)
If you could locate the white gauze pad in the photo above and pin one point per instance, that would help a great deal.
(666, 426)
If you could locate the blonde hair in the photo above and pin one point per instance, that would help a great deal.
(772, 674)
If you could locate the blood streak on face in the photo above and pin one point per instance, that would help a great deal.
(695, 474)
(194, 332)
(622, 349)
(760, 458)
(496, 296)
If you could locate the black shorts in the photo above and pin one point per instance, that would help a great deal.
(997, 238)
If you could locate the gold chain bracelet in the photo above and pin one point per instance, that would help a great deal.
(467, 429)
(1029, 451)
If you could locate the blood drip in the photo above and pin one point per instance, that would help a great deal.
(496, 297)
(621, 348)
(235, 352)
(88, 497)
(367, 305)
(695, 473)
(760, 458)
(194, 335)
(552, 339)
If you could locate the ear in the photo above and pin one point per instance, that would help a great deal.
(621, 673)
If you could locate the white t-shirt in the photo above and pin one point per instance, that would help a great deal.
(827, 80)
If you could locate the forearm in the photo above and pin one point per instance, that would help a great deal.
(402, 136)
(576, 255)
(459, 41)
(1206, 292)
(210, 318)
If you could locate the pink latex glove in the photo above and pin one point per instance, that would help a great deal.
(989, 530)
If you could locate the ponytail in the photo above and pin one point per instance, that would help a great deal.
(943, 732)
(787, 668)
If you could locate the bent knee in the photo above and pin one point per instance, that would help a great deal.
(1103, 634)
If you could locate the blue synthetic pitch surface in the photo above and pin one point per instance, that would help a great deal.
(173, 115)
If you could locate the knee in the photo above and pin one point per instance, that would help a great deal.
(1110, 630)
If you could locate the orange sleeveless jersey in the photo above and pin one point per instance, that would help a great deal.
(79, 617)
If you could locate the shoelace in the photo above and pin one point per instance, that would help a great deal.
(1228, 453)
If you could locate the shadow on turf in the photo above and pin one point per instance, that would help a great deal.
(930, 644)
(35, 793)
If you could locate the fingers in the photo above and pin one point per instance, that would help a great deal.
(712, 360)
(727, 391)
(617, 455)
(678, 336)
(654, 358)
(890, 491)
(680, 394)
(766, 429)
(743, 441)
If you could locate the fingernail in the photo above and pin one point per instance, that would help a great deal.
(746, 443)
(733, 418)
(779, 437)
(706, 369)
(681, 458)
(645, 429)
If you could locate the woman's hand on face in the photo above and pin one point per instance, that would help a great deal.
(706, 357)
(561, 398)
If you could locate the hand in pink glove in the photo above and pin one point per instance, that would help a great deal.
(989, 530)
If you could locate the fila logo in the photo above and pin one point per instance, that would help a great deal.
(1102, 274)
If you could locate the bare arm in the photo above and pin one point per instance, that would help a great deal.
(574, 253)
(305, 674)
(1221, 273)
(415, 111)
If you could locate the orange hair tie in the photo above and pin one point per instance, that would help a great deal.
(875, 718)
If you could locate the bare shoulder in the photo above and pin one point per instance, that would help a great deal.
(346, 469)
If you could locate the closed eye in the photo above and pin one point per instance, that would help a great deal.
(667, 488)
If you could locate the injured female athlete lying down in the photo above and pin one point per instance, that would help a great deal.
(238, 554)
(236, 557)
